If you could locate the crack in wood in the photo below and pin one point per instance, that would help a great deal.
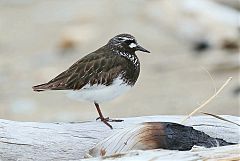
(6, 142)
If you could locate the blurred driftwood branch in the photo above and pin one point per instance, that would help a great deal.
(72, 141)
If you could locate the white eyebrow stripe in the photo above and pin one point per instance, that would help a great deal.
(125, 38)
(132, 45)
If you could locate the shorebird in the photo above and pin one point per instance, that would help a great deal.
(101, 75)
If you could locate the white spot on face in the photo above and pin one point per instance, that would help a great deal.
(132, 45)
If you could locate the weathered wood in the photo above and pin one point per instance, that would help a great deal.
(71, 141)
(226, 153)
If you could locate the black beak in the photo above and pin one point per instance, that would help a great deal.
(139, 48)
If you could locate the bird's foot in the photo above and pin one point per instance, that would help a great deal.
(107, 119)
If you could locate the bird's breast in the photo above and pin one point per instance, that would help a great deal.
(131, 57)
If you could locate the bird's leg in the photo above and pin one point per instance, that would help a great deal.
(103, 119)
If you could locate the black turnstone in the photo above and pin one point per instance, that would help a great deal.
(101, 75)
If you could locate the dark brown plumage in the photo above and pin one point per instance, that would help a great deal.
(99, 67)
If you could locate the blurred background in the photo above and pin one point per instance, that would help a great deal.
(188, 39)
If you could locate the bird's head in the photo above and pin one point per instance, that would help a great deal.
(126, 42)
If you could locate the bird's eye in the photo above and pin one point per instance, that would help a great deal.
(130, 42)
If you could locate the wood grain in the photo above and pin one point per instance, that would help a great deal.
(71, 141)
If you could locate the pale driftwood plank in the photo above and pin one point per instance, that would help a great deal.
(225, 153)
(70, 141)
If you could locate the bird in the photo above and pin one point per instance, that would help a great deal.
(102, 75)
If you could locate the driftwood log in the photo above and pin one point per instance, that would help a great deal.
(73, 141)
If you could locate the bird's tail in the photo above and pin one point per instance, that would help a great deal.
(40, 87)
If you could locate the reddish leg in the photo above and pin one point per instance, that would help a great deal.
(104, 120)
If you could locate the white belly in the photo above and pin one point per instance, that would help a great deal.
(100, 93)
